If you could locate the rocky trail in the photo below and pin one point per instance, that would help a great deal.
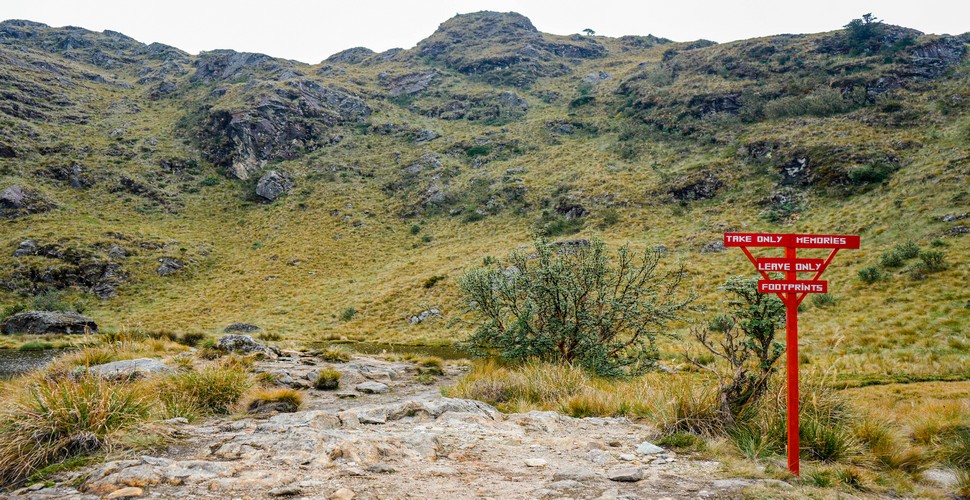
(400, 440)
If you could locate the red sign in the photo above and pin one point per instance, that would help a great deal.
(791, 240)
(792, 292)
(769, 265)
(793, 286)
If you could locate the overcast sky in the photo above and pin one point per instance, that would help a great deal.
(309, 31)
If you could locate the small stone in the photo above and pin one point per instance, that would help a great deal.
(286, 491)
(130, 492)
(646, 448)
(381, 469)
(536, 462)
(372, 388)
(343, 494)
(595, 445)
(628, 457)
(625, 475)
(176, 420)
(346, 395)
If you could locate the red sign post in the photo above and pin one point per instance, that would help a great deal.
(792, 291)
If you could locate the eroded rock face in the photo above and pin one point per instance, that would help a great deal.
(411, 83)
(42, 322)
(274, 184)
(933, 59)
(280, 124)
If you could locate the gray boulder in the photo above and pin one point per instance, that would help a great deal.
(597, 77)
(242, 327)
(26, 247)
(130, 369)
(41, 322)
(411, 83)
(647, 448)
(274, 184)
(425, 315)
(712, 247)
(244, 344)
(168, 265)
(16, 201)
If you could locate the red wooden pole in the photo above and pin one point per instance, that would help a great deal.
(791, 336)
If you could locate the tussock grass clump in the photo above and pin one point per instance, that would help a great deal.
(431, 365)
(214, 389)
(262, 400)
(334, 354)
(327, 380)
(269, 336)
(52, 419)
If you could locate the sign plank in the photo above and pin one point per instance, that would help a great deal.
(793, 286)
(789, 265)
(791, 240)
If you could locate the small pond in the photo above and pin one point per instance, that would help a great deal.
(15, 362)
(441, 351)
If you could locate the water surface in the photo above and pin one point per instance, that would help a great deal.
(15, 362)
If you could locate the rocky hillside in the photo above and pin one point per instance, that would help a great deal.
(168, 191)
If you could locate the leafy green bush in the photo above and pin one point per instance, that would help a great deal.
(581, 306)
(415, 228)
(51, 300)
(874, 172)
(347, 313)
(870, 274)
(744, 343)
(891, 259)
(861, 35)
(908, 250)
(823, 300)
(933, 260)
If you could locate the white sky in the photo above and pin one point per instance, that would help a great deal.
(310, 31)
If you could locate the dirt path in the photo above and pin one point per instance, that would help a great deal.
(406, 443)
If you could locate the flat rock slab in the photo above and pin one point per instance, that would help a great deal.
(130, 368)
(646, 448)
(625, 475)
(373, 388)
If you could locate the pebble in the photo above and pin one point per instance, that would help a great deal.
(536, 462)
(628, 457)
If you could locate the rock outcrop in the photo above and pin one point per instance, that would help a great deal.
(18, 201)
(43, 322)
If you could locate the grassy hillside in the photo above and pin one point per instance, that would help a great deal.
(416, 164)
